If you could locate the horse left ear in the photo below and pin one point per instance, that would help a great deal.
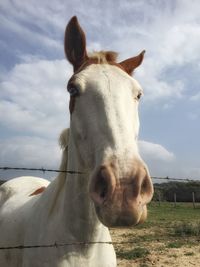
(132, 63)
(75, 44)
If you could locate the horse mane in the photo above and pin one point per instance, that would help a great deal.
(63, 142)
(100, 57)
(61, 178)
(64, 139)
(103, 57)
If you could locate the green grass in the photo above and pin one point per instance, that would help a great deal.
(167, 227)
(177, 244)
(135, 253)
(167, 214)
(169, 221)
(187, 229)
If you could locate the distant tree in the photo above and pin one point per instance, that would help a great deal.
(183, 191)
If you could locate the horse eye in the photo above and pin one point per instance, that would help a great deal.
(139, 96)
(73, 91)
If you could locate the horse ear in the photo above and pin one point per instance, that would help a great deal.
(132, 63)
(75, 43)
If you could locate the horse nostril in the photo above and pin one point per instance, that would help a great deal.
(102, 185)
(103, 192)
(146, 188)
(145, 185)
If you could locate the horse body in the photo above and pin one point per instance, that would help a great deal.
(67, 216)
(71, 216)
(58, 215)
(16, 206)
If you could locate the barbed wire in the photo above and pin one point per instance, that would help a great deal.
(80, 243)
(56, 245)
(175, 179)
(39, 169)
(79, 172)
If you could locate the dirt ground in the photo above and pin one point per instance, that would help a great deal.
(160, 253)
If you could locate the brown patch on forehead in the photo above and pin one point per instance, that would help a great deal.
(102, 57)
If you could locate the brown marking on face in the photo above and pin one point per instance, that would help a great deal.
(102, 57)
(110, 57)
(38, 191)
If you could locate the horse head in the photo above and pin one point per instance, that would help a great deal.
(104, 100)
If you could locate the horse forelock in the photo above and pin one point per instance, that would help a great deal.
(104, 57)
(101, 57)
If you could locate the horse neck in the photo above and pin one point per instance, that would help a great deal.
(79, 209)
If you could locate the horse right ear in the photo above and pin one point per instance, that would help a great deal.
(75, 44)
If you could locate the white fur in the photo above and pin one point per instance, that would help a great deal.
(104, 124)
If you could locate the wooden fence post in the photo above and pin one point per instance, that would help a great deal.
(174, 199)
(193, 199)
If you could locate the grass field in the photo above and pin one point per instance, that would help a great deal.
(169, 237)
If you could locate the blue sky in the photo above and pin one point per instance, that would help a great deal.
(34, 74)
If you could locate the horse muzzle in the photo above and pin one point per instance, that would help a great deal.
(121, 201)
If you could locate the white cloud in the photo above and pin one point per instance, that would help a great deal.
(152, 151)
(171, 37)
(160, 161)
(26, 151)
(155, 88)
(169, 31)
(34, 98)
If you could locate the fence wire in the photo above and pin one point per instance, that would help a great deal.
(79, 172)
(39, 169)
(57, 245)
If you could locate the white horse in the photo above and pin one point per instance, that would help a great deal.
(114, 185)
